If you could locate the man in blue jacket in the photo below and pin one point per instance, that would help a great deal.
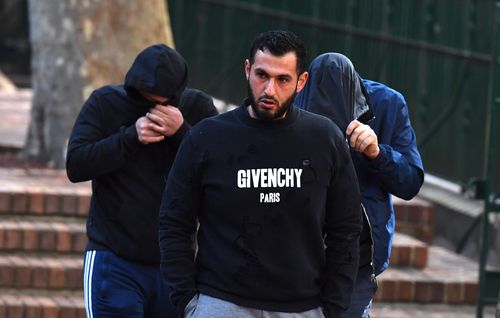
(125, 140)
(384, 153)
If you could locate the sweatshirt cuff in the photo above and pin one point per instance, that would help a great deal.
(382, 156)
(131, 139)
(179, 134)
(332, 311)
(183, 302)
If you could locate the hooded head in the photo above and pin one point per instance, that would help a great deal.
(335, 90)
(159, 70)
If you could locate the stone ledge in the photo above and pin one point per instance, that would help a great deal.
(415, 217)
(43, 236)
(449, 278)
(43, 273)
(408, 252)
(46, 305)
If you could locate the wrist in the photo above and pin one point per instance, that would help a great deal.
(373, 152)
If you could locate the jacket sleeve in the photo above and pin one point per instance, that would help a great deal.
(179, 134)
(399, 166)
(91, 152)
(177, 224)
(195, 105)
(342, 229)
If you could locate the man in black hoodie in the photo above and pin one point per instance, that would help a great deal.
(125, 140)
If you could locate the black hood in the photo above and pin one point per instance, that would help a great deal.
(335, 90)
(158, 70)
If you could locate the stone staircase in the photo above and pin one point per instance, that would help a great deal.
(424, 280)
(42, 237)
(422, 273)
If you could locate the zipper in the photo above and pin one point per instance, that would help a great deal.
(373, 277)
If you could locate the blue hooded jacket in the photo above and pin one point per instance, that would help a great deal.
(398, 169)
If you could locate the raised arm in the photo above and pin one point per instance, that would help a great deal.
(91, 151)
(397, 162)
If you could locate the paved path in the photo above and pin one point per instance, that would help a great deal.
(401, 310)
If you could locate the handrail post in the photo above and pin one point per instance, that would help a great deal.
(489, 204)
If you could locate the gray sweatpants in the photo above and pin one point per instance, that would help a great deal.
(203, 306)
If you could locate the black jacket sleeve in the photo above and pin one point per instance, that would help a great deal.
(342, 229)
(91, 152)
(177, 224)
(195, 105)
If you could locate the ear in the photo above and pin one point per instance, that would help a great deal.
(247, 68)
(301, 82)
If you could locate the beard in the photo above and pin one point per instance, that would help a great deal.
(266, 114)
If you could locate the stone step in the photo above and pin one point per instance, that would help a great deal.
(43, 273)
(415, 217)
(42, 192)
(33, 304)
(43, 234)
(40, 202)
(401, 310)
(448, 278)
(49, 192)
(408, 252)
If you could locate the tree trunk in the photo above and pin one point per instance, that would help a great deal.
(78, 46)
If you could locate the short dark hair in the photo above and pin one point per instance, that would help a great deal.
(280, 43)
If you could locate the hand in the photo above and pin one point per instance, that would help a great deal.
(363, 139)
(168, 119)
(147, 131)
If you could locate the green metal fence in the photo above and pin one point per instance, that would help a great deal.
(438, 53)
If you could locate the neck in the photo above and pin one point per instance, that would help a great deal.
(254, 115)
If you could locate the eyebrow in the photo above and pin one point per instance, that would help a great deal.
(261, 70)
(284, 76)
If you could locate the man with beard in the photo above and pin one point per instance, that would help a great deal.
(270, 185)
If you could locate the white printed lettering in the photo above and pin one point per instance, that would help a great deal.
(298, 173)
(255, 177)
(241, 178)
(269, 197)
(269, 178)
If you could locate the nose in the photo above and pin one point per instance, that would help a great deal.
(270, 88)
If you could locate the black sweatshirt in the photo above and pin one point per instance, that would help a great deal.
(127, 176)
(266, 193)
